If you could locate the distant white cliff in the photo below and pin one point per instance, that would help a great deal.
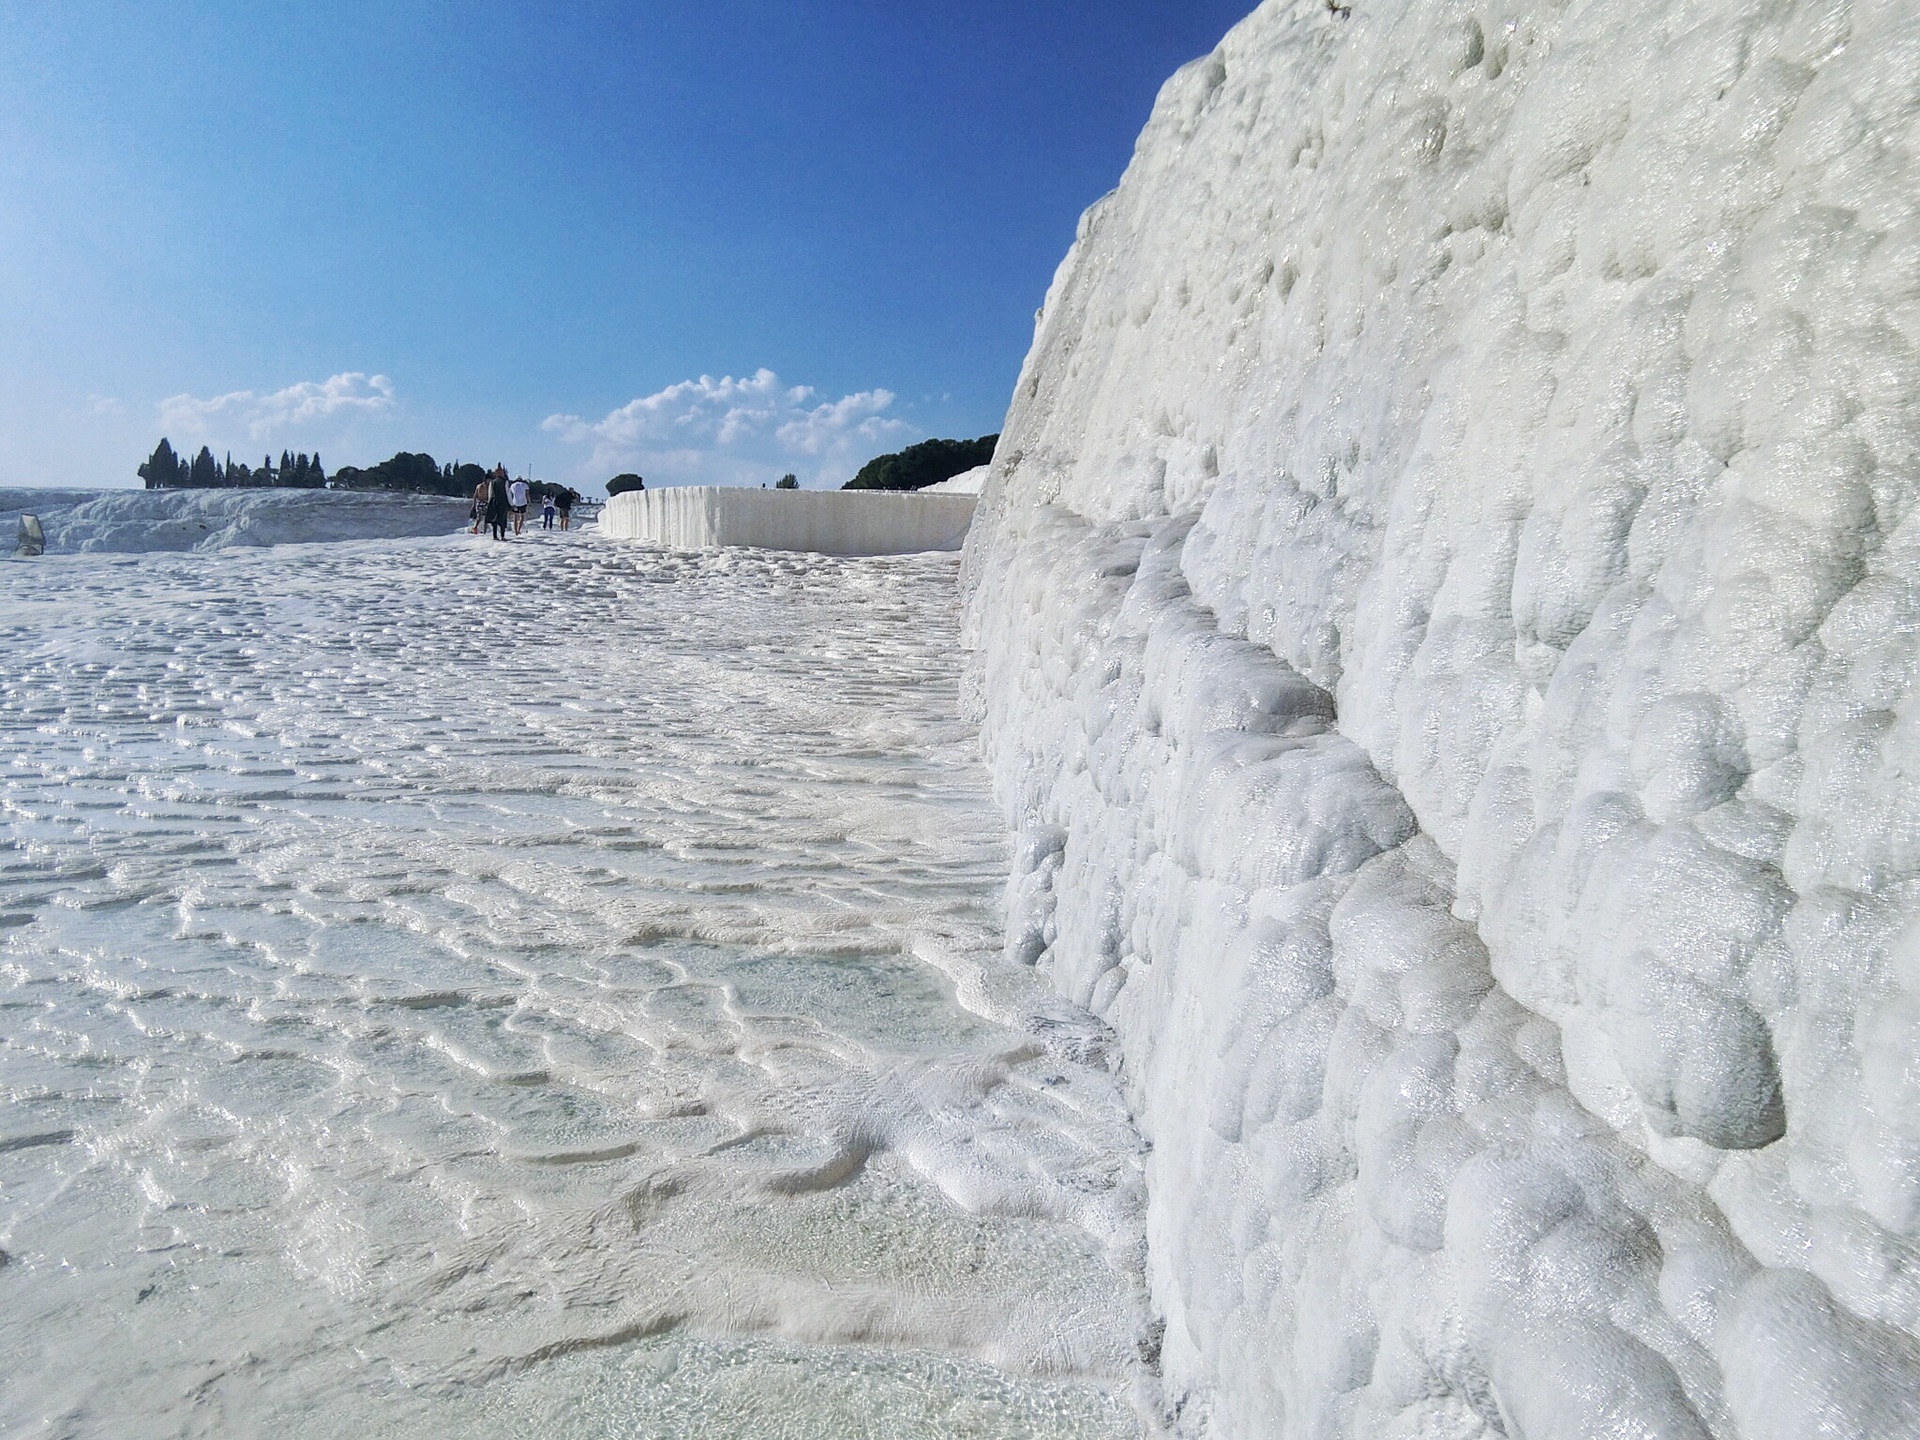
(148, 521)
(825, 522)
(1446, 610)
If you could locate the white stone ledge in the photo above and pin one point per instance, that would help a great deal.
(825, 522)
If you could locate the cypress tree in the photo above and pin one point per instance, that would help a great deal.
(162, 468)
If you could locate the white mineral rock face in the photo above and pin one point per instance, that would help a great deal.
(1446, 607)
(821, 522)
(151, 521)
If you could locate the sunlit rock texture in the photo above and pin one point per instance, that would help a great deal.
(150, 521)
(825, 522)
(1445, 620)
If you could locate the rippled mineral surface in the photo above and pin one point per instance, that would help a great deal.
(549, 989)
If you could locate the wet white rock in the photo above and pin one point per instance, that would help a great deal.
(434, 972)
(1446, 595)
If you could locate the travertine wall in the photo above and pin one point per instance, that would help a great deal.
(825, 522)
(1447, 606)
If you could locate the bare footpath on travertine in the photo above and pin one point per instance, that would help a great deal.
(1446, 611)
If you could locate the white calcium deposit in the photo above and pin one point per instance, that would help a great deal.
(535, 989)
(967, 482)
(150, 521)
(1446, 611)
(819, 522)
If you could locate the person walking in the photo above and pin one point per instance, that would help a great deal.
(479, 508)
(517, 498)
(497, 505)
(564, 500)
(547, 509)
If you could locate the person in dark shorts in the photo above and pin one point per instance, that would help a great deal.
(517, 499)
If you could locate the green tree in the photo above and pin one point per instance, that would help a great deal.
(162, 468)
(204, 473)
(927, 463)
(406, 472)
(303, 473)
(788, 482)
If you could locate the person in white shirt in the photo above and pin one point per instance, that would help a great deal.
(517, 498)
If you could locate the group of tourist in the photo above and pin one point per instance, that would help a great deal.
(499, 501)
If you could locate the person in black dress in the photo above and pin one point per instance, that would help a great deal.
(497, 503)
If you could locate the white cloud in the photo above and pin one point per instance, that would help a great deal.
(737, 431)
(824, 426)
(350, 393)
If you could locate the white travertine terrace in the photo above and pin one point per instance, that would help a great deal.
(151, 521)
(823, 522)
(967, 482)
(1446, 608)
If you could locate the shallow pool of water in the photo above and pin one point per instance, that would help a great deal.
(543, 988)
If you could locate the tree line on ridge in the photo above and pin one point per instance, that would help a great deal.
(927, 463)
(406, 472)
(914, 468)
(164, 470)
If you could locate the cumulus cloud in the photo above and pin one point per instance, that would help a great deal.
(350, 393)
(824, 426)
(738, 430)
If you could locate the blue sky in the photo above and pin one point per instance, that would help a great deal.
(711, 241)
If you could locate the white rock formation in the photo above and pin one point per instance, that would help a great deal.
(967, 482)
(150, 521)
(1447, 606)
(823, 522)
